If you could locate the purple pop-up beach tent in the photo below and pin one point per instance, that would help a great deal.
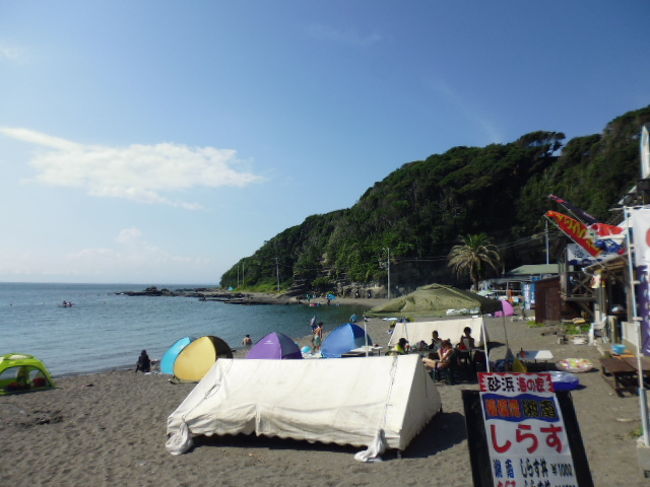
(275, 346)
(507, 309)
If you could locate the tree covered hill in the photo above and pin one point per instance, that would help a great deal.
(419, 210)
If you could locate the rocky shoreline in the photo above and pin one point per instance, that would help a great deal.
(253, 298)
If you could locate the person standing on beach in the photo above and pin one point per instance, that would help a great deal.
(312, 324)
(318, 337)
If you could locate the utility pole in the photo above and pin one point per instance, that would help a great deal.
(277, 273)
(243, 278)
(547, 251)
(388, 267)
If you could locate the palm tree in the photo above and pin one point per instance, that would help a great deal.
(472, 256)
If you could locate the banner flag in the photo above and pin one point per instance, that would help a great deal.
(575, 230)
(577, 255)
(645, 152)
(579, 213)
(640, 221)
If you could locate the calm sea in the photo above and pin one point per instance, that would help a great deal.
(104, 330)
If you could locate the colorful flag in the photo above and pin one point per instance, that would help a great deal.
(645, 152)
(579, 213)
(575, 230)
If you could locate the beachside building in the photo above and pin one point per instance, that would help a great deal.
(518, 284)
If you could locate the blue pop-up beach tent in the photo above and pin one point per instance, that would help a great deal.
(343, 339)
(167, 362)
(275, 346)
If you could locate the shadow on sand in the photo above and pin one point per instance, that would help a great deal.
(444, 431)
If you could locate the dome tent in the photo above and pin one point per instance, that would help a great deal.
(343, 339)
(23, 373)
(275, 346)
(169, 359)
(197, 358)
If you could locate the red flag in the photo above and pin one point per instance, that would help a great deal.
(575, 230)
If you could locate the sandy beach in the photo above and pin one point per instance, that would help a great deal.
(109, 429)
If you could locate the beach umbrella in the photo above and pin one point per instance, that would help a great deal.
(275, 346)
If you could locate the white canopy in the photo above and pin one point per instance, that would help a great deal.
(343, 401)
(447, 329)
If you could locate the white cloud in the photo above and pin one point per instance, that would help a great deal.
(11, 53)
(133, 255)
(127, 235)
(469, 112)
(348, 37)
(130, 259)
(136, 172)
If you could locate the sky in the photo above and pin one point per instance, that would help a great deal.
(160, 141)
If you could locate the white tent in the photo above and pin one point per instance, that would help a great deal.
(447, 329)
(343, 401)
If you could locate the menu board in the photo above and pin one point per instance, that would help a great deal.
(524, 440)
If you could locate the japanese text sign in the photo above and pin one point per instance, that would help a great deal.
(527, 440)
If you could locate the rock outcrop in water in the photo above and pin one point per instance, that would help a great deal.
(213, 294)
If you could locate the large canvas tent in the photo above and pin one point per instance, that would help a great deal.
(275, 346)
(169, 359)
(343, 339)
(197, 358)
(349, 403)
(416, 331)
(435, 300)
(22, 373)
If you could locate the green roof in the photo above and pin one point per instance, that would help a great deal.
(534, 270)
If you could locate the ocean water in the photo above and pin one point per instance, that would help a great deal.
(105, 331)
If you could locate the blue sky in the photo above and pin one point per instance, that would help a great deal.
(161, 141)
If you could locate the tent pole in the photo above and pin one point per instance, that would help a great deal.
(365, 332)
(485, 344)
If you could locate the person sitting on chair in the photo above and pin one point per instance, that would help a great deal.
(466, 342)
(436, 342)
(446, 354)
(402, 346)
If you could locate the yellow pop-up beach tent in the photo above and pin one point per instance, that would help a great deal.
(197, 358)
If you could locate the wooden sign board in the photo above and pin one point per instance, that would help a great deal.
(522, 434)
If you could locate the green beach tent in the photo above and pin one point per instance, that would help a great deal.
(435, 300)
(23, 373)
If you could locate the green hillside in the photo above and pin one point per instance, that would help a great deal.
(419, 210)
